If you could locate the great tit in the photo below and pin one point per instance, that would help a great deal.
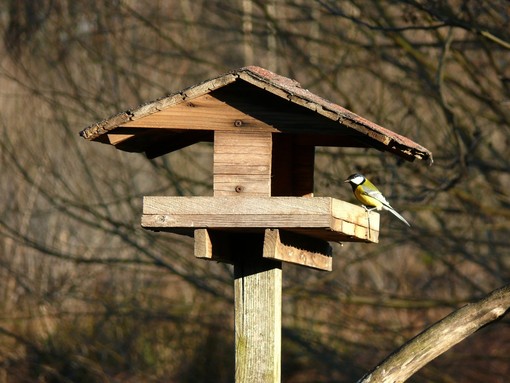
(370, 196)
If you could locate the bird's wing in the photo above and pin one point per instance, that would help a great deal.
(376, 194)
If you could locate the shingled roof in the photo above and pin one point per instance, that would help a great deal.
(281, 103)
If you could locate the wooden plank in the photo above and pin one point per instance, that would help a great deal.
(322, 233)
(345, 211)
(236, 107)
(248, 138)
(297, 249)
(321, 217)
(242, 156)
(278, 245)
(203, 244)
(120, 136)
(258, 297)
(229, 221)
(224, 205)
(242, 163)
(236, 184)
(201, 113)
(249, 169)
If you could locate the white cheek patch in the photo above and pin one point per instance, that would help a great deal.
(357, 180)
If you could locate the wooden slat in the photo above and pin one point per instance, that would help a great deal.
(202, 113)
(249, 169)
(326, 228)
(232, 221)
(321, 217)
(242, 163)
(235, 155)
(258, 312)
(247, 205)
(237, 107)
(235, 184)
(253, 205)
(354, 214)
(254, 140)
(278, 245)
(203, 244)
(297, 249)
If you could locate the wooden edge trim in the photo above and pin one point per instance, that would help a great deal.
(298, 249)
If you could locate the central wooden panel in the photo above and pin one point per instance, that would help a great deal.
(319, 217)
(242, 163)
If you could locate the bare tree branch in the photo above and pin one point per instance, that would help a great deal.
(440, 337)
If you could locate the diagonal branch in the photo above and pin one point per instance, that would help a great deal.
(440, 337)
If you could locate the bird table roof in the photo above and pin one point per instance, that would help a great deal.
(236, 100)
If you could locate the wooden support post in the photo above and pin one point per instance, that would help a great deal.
(258, 297)
(242, 166)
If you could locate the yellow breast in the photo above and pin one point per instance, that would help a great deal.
(366, 200)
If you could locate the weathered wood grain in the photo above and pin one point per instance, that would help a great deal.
(242, 163)
(321, 217)
(298, 249)
(205, 112)
(222, 205)
(258, 299)
(203, 244)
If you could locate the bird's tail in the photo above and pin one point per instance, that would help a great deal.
(394, 212)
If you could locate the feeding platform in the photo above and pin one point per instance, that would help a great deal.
(264, 128)
(321, 217)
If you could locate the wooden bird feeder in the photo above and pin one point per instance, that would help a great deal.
(264, 128)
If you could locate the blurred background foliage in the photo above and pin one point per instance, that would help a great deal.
(87, 295)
